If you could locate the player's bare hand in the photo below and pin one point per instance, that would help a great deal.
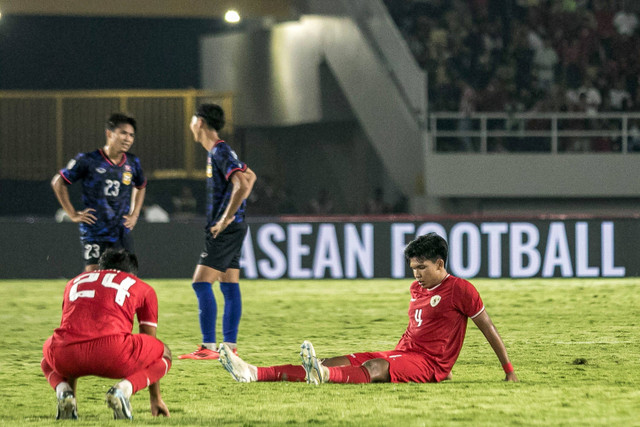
(130, 221)
(158, 407)
(511, 376)
(220, 226)
(85, 216)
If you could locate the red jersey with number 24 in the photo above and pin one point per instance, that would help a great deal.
(438, 320)
(104, 302)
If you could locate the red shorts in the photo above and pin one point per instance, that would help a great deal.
(404, 366)
(114, 356)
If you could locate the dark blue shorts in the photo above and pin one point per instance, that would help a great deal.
(92, 249)
(224, 251)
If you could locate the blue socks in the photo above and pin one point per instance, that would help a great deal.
(232, 311)
(209, 310)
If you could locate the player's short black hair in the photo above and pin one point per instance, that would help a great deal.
(213, 115)
(427, 247)
(116, 119)
(119, 259)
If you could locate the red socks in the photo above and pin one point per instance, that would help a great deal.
(349, 375)
(293, 373)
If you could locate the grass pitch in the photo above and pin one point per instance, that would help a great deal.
(575, 345)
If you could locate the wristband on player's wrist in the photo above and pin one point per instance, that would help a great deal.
(508, 368)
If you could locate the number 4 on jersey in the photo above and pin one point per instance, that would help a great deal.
(107, 282)
(418, 316)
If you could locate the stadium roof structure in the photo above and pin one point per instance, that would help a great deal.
(277, 9)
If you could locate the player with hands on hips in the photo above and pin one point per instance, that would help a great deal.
(229, 183)
(113, 190)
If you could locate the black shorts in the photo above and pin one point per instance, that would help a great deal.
(224, 251)
(92, 249)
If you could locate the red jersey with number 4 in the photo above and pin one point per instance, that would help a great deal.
(103, 302)
(438, 320)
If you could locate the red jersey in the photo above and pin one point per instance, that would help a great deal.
(101, 303)
(438, 321)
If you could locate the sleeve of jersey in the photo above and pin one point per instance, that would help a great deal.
(227, 160)
(76, 169)
(148, 312)
(139, 179)
(469, 301)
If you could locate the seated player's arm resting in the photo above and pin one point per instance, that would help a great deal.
(484, 323)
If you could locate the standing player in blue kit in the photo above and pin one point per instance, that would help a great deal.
(229, 183)
(113, 189)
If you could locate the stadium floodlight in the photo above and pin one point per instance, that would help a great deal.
(232, 16)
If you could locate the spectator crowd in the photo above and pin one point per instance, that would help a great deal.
(525, 55)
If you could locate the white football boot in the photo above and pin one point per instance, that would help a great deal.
(119, 403)
(67, 409)
(316, 372)
(240, 370)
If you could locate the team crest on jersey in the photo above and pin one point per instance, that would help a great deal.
(435, 300)
(71, 164)
(127, 168)
(126, 178)
(209, 171)
(101, 170)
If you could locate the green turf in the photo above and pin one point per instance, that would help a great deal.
(575, 345)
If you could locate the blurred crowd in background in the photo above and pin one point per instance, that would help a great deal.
(525, 55)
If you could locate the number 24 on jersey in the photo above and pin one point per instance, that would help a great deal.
(107, 282)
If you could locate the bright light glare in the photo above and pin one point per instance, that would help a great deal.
(232, 16)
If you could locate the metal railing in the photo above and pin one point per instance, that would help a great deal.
(534, 132)
(41, 131)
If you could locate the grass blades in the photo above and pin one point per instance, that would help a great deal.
(575, 344)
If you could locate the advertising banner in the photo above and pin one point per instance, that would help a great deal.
(495, 249)
(349, 249)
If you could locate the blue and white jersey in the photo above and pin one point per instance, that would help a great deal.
(107, 188)
(222, 162)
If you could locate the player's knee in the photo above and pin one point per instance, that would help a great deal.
(336, 361)
(167, 353)
(378, 370)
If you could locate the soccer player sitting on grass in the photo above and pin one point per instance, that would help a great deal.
(94, 337)
(438, 310)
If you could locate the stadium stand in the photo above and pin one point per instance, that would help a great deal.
(525, 55)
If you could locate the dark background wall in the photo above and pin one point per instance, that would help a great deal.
(55, 52)
(43, 249)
